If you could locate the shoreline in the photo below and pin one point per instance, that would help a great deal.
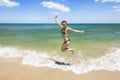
(12, 69)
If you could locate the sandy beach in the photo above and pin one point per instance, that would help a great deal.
(11, 69)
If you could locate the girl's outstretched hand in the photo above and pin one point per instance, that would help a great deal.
(82, 31)
(55, 17)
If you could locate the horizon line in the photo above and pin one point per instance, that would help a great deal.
(55, 23)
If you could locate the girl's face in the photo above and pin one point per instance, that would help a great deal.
(64, 24)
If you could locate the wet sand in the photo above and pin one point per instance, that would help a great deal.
(12, 69)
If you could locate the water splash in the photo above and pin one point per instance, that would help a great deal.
(110, 61)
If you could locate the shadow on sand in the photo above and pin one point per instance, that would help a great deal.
(61, 63)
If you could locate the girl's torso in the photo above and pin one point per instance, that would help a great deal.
(64, 33)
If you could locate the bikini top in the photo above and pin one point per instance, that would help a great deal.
(63, 31)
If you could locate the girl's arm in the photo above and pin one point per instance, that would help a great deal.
(73, 30)
(56, 20)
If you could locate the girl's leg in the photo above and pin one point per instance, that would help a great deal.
(70, 49)
(65, 48)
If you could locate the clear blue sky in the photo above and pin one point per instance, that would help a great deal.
(74, 11)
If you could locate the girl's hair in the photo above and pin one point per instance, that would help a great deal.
(63, 22)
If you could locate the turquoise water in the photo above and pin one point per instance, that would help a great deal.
(97, 39)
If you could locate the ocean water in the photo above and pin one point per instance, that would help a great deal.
(39, 45)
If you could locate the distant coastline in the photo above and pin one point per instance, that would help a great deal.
(55, 23)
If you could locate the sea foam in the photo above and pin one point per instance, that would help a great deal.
(110, 61)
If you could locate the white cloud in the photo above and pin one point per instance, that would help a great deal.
(54, 5)
(96, 0)
(117, 8)
(117, 1)
(54, 13)
(8, 3)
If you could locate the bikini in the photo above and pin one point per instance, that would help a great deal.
(63, 31)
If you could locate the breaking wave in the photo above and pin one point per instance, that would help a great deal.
(110, 61)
